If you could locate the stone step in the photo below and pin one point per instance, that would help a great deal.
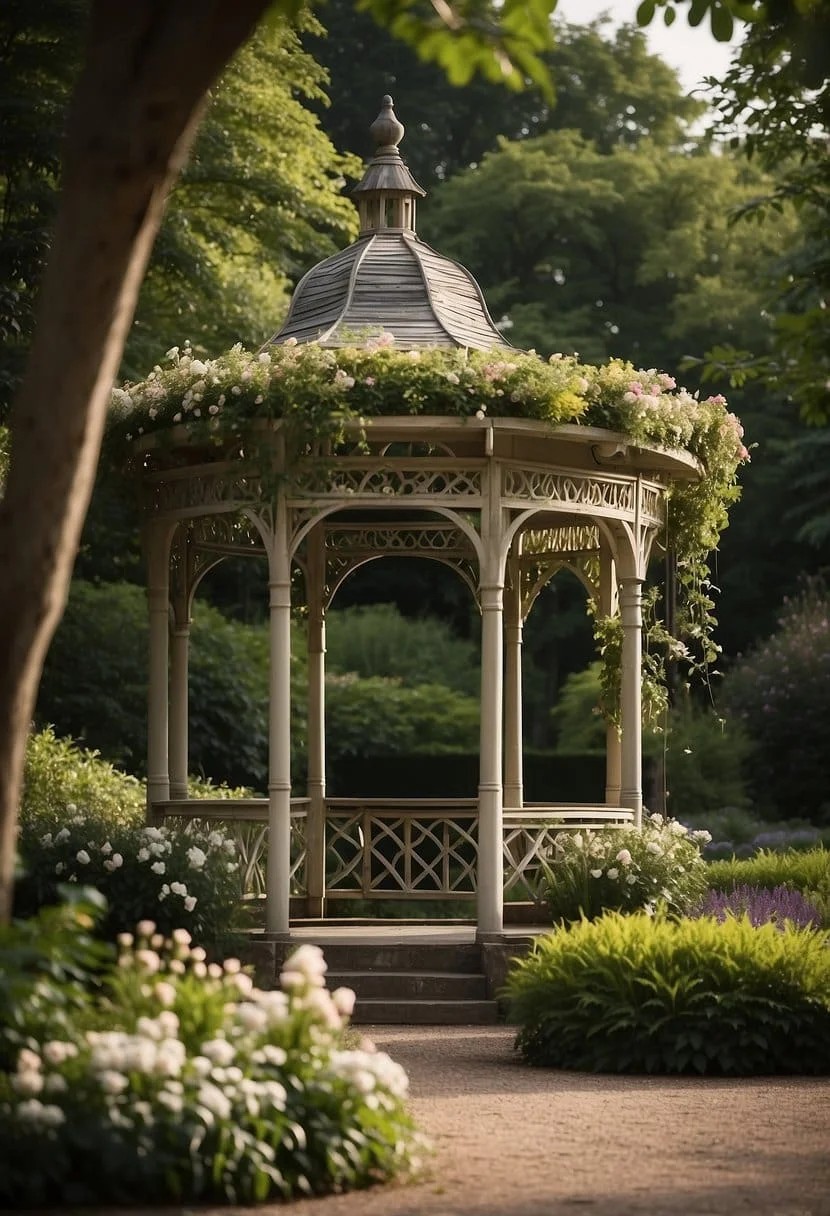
(375, 1011)
(411, 985)
(401, 956)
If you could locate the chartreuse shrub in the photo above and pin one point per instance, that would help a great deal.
(58, 773)
(642, 994)
(626, 869)
(179, 1081)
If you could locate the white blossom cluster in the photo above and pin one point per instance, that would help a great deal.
(149, 1071)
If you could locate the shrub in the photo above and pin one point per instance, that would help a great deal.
(761, 906)
(637, 994)
(705, 756)
(780, 692)
(182, 878)
(625, 869)
(59, 773)
(376, 640)
(807, 870)
(191, 1084)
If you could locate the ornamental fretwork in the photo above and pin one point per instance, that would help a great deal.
(389, 479)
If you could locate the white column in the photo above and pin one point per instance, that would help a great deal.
(631, 776)
(513, 775)
(316, 819)
(158, 536)
(490, 830)
(279, 733)
(608, 606)
(179, 663)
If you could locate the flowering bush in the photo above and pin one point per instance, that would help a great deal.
(649, 994)
(59, 772)
(625, 869)
(807, 871)
(183, 877)
(761, 905)
(188, 1083)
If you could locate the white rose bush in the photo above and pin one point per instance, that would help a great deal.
(183, 878)
(179, 1080)
(625, 870)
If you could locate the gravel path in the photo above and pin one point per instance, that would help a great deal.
(515, 1141)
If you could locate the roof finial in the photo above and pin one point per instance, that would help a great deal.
(386, 131)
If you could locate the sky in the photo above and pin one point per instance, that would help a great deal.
(691, 50)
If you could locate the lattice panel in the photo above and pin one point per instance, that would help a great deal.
(344, 853)
(206, 490)
(439, 479)
(526, 845)
(594, 491)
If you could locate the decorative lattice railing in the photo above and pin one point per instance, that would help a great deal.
(396, 848)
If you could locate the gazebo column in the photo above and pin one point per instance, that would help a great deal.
(179, 664)
(608, 606)
(316, 818)
(513, 776)
(631, 613)
(278, 884)
(157, 539)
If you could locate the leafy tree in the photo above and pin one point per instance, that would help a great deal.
(607, 86)
(627, 253)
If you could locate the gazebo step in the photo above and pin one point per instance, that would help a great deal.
(400, 956)
(411, 985)
(376, 1011)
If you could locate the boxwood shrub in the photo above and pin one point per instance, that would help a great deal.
(634, 994)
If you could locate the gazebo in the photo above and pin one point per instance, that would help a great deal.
(505, 501)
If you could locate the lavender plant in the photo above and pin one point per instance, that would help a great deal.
(761, 905)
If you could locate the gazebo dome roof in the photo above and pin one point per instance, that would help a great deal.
(389, 280)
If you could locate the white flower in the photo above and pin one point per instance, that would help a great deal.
(212, 1098)
(59, 868)
(46, 840)
(165, 992)
(143, 854)
(613, 873)
(219, 1051)
(106, 847)
(251, 1016)
(56, 1051)
(596, 873)
(178, 888)
(632, 878)
(83, 857)
(146, 928)
(190, 903)
(181, 937)
(158, 867)
(344, 999)
(35, 1112)
(148, 960)
(654, 848)
(112, 1082)
(63, 834)
(27, 1083)
(309, 962)
(624, 857)
(197, 857)
(198, 367)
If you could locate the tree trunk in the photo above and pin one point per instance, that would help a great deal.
(135, 110)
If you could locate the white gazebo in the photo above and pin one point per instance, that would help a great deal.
(506, 502)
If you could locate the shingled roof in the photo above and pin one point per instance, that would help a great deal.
(389, 280)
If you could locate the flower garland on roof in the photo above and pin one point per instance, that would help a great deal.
(316, 391)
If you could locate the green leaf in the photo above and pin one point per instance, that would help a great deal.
(645, 12)
(721, 21)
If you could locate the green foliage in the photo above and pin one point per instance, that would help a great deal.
(59, 775)
(40, 48)
(704, 754)
(186, 1083)
(385, 716)
(4, 456)
(780, 693)
(49, 965)
(182, 877)
(259, 201)
(626, 869)
(377, 640)
(806, 871)
(607, 84)
(634, 994)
